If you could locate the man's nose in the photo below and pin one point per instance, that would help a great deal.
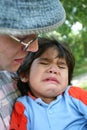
(33, 47)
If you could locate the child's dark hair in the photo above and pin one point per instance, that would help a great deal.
(44, 44)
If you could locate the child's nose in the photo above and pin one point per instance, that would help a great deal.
(53, 69)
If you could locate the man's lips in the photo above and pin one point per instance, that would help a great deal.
(20, 60)
(51, 79)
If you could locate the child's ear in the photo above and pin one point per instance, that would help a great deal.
(24, 77)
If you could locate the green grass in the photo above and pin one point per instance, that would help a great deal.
(84, 85)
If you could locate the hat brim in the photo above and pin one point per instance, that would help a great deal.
(31, 17)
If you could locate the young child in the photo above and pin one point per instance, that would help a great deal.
(49, 101)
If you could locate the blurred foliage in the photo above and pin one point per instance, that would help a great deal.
(76, 11)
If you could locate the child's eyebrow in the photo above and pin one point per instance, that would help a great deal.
(62, 63)
(48, 59)
(45, 59)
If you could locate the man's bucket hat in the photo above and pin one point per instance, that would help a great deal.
(22, 17)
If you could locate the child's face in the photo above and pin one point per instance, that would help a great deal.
(48, 75)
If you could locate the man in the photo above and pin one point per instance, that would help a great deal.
(12, 52)
(20, 22)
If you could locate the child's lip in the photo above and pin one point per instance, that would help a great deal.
(52, 79)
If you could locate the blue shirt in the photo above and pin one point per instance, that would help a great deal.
(67, 112)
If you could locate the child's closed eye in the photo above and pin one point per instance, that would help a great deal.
(44, 63)
(62, 67)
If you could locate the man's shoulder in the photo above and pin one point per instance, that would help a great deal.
(5, 77)
(5, 73)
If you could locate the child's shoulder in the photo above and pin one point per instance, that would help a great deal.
(78, 93)
(23, 99)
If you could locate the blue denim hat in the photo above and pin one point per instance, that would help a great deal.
(22, 17)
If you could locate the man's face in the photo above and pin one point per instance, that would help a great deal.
(12, 52)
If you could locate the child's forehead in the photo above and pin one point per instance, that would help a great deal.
(52, 53)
